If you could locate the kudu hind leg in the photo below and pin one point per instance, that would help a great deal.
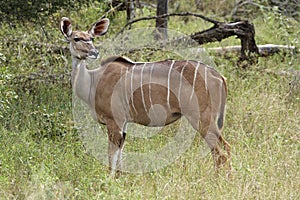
(212, 135)
(226, 145)
(212, 139)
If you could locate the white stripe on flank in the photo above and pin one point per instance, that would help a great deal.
(142, 92)
(220, 92)
(150, 82)
(131, 88)
(169, 77)
(180, 83)
(125, 86)
(194, 81)
(121, 86)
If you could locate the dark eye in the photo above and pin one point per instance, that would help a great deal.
(92, 39)
(76, 39)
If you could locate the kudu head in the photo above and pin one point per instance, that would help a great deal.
(81, 42)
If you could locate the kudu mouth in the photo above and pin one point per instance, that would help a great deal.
(93, 54)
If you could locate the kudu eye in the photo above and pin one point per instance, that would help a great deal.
(76, 39)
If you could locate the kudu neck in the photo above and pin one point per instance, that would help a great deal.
(81, 80)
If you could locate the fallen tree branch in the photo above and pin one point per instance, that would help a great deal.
(264, 50)
(242, 29)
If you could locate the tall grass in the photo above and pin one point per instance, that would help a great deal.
(42, 156)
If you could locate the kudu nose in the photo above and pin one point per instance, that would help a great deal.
(93, 53)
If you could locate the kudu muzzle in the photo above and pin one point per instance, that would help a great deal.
(93, 54)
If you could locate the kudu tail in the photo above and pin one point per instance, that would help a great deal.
(223, 104)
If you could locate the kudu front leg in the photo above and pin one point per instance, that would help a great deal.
(116, 139)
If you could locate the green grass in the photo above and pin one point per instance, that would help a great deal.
(43, 157)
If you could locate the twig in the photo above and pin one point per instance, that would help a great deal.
(243, 3)
(111, 10)
(168, 15)
(43, 29)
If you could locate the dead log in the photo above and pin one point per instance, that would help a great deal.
(264, 50)
(221, 30)
(242, 29)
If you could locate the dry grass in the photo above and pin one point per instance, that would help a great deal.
(42, 156)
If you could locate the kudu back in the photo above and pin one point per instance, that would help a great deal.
(121, 91)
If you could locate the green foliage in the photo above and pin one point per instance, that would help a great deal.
(42, 156)
(35, 9)
(283, 26)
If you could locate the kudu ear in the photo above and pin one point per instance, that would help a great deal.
(66, 27)
(100, 27)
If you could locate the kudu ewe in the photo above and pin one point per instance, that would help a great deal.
(120, 91)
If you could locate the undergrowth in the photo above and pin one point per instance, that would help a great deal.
(43, 156)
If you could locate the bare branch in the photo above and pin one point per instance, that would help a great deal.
(243, 3)
(168, 15)
(112, 10)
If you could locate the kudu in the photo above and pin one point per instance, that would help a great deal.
(120, 91)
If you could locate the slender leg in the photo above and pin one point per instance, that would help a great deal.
(212, 135)
(213, 142)
(119, 161)
(217, 143)
(113, 155)
(228, 150)
(225, 144)
(116, 139)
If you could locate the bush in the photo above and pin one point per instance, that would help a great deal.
(35, 9)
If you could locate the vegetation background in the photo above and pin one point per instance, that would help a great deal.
(42, 156)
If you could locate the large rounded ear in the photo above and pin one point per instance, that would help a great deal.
(66, 27)
(100, 27)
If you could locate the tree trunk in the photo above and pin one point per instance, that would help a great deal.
(162, 23)
(129, 9)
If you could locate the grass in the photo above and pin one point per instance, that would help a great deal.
(43, 156)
